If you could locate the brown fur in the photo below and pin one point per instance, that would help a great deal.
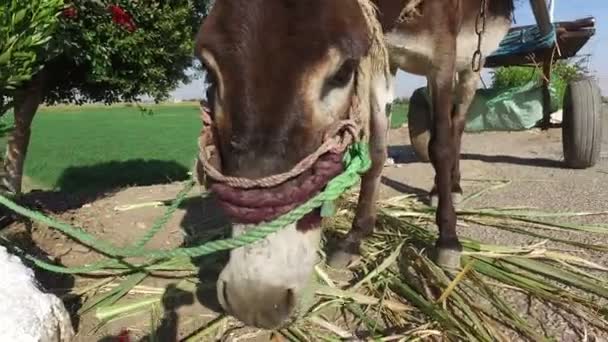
(444, 22)
(263, 49)
(268, 51)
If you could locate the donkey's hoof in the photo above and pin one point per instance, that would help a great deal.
(457, 198)
(341, 259)
(448, 259)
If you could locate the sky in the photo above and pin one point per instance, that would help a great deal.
(565, 10)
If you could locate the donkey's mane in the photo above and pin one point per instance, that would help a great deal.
(378, 52)
(410, 11)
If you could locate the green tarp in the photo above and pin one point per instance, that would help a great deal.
(513, 109)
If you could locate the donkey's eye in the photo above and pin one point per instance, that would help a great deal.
(210, 84)
(343, 76)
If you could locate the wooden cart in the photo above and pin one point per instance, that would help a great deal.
(540, 45)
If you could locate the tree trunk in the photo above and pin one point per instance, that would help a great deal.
(27, 101)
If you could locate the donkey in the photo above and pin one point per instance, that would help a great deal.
(280, 74)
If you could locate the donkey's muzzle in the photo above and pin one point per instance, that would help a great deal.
(258, 306)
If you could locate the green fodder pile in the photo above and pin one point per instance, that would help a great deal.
(396, 293)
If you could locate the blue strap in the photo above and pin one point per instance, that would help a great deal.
(525, 40)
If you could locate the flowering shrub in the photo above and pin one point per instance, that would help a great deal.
(25, 29)
(116, 50)
(122, 18)
(102, 50)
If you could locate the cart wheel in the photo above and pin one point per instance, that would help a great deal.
(419, 124)
(582, 125)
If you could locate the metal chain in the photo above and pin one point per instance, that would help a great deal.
(480, 28)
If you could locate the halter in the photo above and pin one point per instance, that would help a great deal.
(336, 140)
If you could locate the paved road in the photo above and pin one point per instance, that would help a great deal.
(532, 160)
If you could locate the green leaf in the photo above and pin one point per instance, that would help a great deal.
(6, 56)
(115, 294)
(18, 17)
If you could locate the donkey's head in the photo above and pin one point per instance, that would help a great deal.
(281, 72)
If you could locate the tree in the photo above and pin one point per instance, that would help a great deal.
(107, 52)
(25, 28)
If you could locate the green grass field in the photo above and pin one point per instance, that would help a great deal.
(94, 148)
(399, 115)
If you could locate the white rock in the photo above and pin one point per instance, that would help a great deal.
(26, 313)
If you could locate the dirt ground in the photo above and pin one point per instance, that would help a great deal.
(531, 160)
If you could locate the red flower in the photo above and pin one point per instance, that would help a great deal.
(122, 18)
(70, 12)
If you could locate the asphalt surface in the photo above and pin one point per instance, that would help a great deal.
(533, 162)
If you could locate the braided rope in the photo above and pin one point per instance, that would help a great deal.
(162, 221)
(336, 140)
(357, 162)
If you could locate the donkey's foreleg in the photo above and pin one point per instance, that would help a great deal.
(442, 152)
(465, 93)
(365, 215)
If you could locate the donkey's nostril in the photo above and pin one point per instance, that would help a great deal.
(291, 300)
(275, 308)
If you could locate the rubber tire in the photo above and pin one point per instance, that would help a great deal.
(582, 124)
(419, 125)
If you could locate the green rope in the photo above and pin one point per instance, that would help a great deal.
(357, 162)
(75, 233)
(160, 223)
(89, 240)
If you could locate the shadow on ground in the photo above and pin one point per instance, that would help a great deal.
(119, 174)
(505, 159)
(203, 221)
(167, 330)
(85, 184)
(421, 194)
(404, 154)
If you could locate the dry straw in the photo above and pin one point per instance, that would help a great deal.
(395, 293)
